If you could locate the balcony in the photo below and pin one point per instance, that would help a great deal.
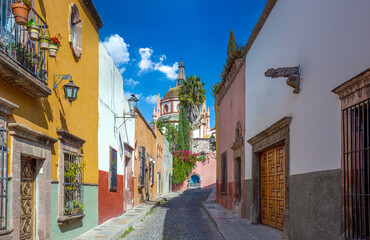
(22, 62)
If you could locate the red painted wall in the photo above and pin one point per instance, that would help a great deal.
(110, 203)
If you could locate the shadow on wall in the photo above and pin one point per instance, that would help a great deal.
(70, 226)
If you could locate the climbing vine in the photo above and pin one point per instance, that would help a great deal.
(183, 164)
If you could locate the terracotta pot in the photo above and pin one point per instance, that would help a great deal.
(44, 42)
(34, 32)
(20, 12)
(53, 50)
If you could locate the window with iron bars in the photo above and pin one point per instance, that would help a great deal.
(3, 177)
(142, 167)
(224, 172)
(356, 171)
(73, 184)
(152, 173)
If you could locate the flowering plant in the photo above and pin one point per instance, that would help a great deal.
(28, 3)
(56, 40)
(183, 164)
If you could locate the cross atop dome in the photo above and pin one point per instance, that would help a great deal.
(181, 74)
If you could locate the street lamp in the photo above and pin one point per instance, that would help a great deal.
(70, 89)
(133, 101)
(212, 139)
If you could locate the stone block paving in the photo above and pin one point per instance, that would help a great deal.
(232, 227)
(114, 228)
(181, 218)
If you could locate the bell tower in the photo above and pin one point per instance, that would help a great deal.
(181, 75)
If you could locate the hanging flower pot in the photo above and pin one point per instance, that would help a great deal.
(54, 45)
(44, 42)
(33, 30)
(21, 10)
(53, 50)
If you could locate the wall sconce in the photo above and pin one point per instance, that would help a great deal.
(70, 89)
(212, 142)
(133, 102)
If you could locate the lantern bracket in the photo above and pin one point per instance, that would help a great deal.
(58, 79)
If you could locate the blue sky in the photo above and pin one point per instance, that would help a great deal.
(147, 38)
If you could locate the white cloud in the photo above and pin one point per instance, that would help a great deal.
(162, 58)
(151, 99)
(146, 63)
(137, 95)
(118, 50)
(171, 72)
(130, 82)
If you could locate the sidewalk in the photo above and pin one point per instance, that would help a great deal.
(115, 227)
(232, 227)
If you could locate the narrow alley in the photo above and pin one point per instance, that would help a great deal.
(179, 218)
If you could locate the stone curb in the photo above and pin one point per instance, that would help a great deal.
(115, 227)
(212, 217)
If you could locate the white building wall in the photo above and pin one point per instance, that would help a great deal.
(330, 40)
(167, 166)
(112, 103)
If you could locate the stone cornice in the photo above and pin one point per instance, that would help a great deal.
(284, 122)
(94, 13)
(6, 107)
(128, 147)
(69, 138)
(353, 85)
(21, 131)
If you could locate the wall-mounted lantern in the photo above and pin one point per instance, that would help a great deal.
(133, 102)
(70, 89)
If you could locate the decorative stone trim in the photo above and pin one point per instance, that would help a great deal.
(292, 73)
(54, 181)
(5, 232)
(68, 219)
(128, 147)
(70, 139)
(91, 184)
(21, 131)
(274, 135)
(94, 13)
(6, 107)
(14, 74)
(354, 90)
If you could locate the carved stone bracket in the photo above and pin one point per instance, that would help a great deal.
(70, 139)
(292, 73)
(239, 138)
(6, 107)
(21, 131)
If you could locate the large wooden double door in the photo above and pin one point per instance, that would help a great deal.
(273, 187)
(27, 199)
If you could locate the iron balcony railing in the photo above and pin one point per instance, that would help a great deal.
(15, 42)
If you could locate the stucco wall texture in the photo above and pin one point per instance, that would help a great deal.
(231, 110)
(146, 137)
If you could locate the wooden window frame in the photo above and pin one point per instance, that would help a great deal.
(224, 173)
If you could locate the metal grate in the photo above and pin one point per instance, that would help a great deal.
(3, 177)
(15, 43)
(142, 167)
(73, 184)
(356, 171)
(224, 172)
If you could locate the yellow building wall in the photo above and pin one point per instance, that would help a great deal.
(146, 137)
(46, 115)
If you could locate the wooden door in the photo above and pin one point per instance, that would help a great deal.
(273, 187)
(27, 199)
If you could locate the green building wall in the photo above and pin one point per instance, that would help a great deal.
(74, 229)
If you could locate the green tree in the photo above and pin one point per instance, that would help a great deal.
(231, 46)
(186, 127)
(192, 95)
(180, 137)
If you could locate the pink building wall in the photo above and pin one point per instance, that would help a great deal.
(206, 170)
(231, 100)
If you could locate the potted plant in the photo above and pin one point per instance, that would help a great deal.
(33, 30)
(44, 42)
(21, 9)
(54, 45)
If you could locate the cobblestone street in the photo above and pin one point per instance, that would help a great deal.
(180, 218)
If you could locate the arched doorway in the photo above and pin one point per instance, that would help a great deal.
(194, 182)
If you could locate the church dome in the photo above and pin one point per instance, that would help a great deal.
(173, 92)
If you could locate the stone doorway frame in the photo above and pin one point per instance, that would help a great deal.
(26, 142)
(276, 134)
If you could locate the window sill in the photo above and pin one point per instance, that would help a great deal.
(67, 219)
(224, 193)
(5, 232)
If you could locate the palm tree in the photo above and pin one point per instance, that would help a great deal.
(192, 95)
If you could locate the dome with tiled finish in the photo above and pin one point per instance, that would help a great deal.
(173, 92)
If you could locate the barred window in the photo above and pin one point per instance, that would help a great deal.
(356, 171)
(152, 173)
(73, 184)
(112, 169)
(224, 172)
(142, 167)
(3, 177)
